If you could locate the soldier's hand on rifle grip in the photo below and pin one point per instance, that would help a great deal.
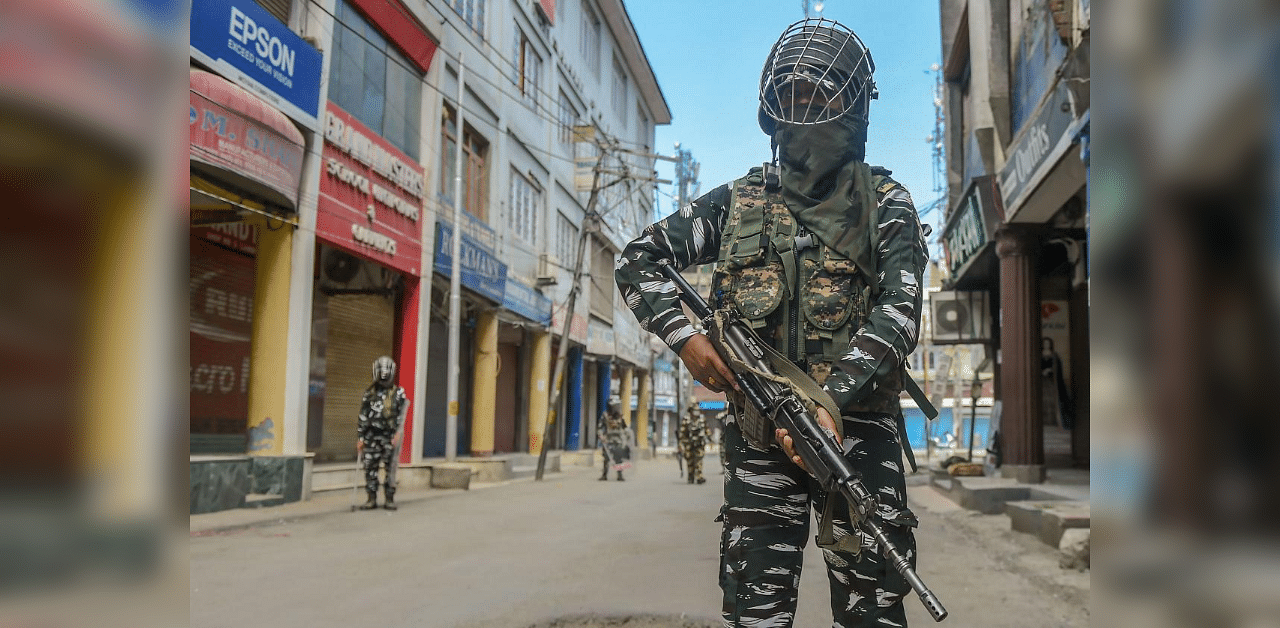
(700, 357)
(788, 446)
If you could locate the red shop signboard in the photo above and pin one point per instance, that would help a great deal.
(236, 131)
(370, 195)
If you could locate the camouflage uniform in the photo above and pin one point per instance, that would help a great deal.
(693, 441)
(615, 441)
(851, 327)
(382, 410)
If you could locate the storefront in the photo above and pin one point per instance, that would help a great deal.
(1043, 292)
(523, 322)
(246, 168)
(483, 278)
(367, 277)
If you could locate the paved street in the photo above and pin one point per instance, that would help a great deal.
(527, 553)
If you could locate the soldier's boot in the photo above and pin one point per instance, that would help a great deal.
(620, 478)
(702, 480)
(391, 498)
(372, 503)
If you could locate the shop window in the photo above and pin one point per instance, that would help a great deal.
(472, 12)
(527, 67)
(524, 207)
(590, 40)
(370, 79)
(475, 174)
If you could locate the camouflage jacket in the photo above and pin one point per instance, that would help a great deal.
(381, 411)
(692, 432)
(889, 319)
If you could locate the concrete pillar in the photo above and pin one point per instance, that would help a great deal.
(269, 356)
(573, 406)
(1021, 424)
(539, 389)
(624, 377)
(484, 384)
(642, 413)
(126, 409)
(405, 353)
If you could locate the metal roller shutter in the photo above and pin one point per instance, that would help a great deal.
(361, 328)
(220, 318)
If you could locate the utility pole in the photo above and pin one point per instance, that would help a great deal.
(455, 287)
(687, 190)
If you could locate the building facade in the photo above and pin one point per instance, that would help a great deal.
(335, 247)
(1016, 105)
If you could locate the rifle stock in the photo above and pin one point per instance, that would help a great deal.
(820, 453)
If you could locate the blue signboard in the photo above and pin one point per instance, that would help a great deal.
(481, 271)
(527, 302)
(243, 42)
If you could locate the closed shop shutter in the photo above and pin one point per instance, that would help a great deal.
(221, 316)
(361, 328)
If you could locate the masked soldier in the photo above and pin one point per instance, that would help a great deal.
(379, 430)
(823, 255)
(692, 433)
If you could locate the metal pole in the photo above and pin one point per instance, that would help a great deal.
(455, 284)
(557, 379)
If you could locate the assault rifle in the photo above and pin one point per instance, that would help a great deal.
(820, 453)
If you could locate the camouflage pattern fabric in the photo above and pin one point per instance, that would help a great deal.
(766, 525)
(692, 433)
(616, 441)
(765, 513)
(381, 412)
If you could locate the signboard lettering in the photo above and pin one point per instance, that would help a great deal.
(243, 42)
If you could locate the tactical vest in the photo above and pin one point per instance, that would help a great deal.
(795, 291)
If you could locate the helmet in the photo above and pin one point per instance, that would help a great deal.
(384, 369)
(818, 71)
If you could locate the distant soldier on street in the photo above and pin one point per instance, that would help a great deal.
(615, 440)
(379, 431)
(693, 441)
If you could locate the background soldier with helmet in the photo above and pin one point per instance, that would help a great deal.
(823, 255)
(692, 434)
(379, 431)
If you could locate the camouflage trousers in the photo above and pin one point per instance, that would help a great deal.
(767, 499)
(379, 455)
(693, 456)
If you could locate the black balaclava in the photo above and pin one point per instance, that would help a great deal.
(827, 185)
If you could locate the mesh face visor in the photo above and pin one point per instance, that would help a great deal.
(818, 71)
(383, 368)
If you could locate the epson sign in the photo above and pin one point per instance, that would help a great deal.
(272, 54)
(244, 43)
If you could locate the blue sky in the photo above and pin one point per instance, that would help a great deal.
(708, 55)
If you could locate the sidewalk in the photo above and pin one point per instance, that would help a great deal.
(331, 502)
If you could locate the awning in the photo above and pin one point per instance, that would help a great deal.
(243, 141)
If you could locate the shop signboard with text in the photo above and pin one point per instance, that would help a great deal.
(243, 42)
(370, 195)
(223, 137)
(527, 302)
(972, 226)
(481, 271)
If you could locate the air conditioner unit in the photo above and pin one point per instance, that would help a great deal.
(960, 317)
(548, 269)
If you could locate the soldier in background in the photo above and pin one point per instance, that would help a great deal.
(615, 440)
(693, 441)
(380, 431)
